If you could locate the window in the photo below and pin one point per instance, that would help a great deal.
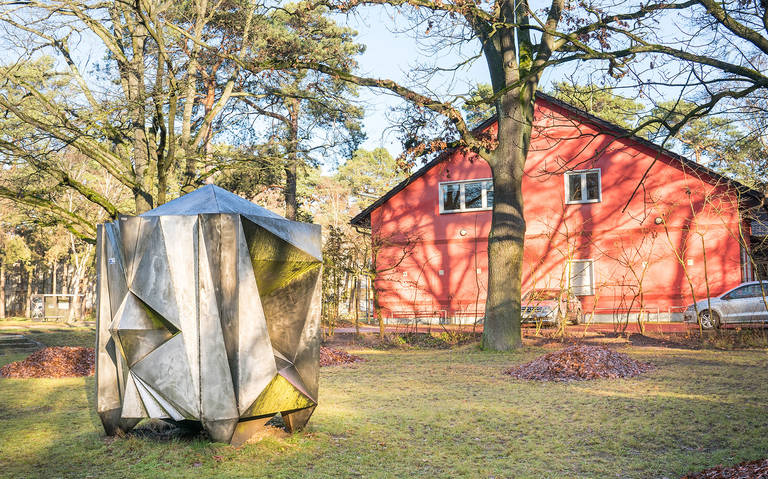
(460, 196)
(748, 291)
(582, 277)
(583, 186)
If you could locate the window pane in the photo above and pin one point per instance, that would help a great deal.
(593, 185)
(574, 187)
(489, 194)
(473, 195)
(755, 291)
(451, 197)
(740, 293)
(582, 278)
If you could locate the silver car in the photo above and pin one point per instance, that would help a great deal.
(548, 306)
(745, 303)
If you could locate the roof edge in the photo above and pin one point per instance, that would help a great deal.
(362, 219)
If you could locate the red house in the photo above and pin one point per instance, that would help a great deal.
(627, 226)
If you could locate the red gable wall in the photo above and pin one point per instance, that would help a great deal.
(632, 255)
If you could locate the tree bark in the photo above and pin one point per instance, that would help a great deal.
(502, 328)
(74, 305)
(2, 290)
(291, 204)
(54, 268)
(377, 312)
(291, 168)
(65, 280)
(356, 304)
(136, 96)
(28, 292)
(36, 277)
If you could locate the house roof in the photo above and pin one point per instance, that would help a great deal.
(363, 219)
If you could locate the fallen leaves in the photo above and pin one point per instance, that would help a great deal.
(578, 363)
(54, 362)
(746, 470)
(63, 362)
(332, 357)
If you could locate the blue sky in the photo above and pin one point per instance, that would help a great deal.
(392, 55)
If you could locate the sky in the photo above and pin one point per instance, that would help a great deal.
(391, 55)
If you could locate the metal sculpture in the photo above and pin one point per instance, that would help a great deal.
(209, 311)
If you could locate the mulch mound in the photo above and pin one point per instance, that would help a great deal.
(332, 357)
(751, 469)
(580, 362)
(55, 362)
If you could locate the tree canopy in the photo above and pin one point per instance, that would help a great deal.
(162, 111)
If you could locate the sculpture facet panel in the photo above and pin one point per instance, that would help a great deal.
(209, 311)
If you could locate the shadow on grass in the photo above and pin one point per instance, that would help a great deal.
(436, 413)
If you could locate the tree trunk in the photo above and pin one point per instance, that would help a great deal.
(291, 204)
(74, 305)
(291, 168)
(65, 280)
(28, 292)
(142, 199)
(2, 290)
(140, 143)
(36, 278)
(502, 330)
(54, 268)
(377, 312)
(355, 304)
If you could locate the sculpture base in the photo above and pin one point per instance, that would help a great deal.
(233, 431)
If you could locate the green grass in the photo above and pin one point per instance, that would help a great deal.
(433, 413)
(58, 336)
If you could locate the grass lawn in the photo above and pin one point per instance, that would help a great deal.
(434, 413)
(59, 336)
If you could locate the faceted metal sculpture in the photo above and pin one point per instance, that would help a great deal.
(209, 311)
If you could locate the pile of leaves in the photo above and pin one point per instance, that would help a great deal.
(580, 362)
(332, 357)
(751, 469)
(55, 362)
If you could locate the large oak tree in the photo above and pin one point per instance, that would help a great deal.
(519, 42)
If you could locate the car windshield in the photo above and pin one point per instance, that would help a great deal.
(542, 295)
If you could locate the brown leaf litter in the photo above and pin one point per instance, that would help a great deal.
(580, 362)
(332, 357)
(62, 362)
(746, 470)
(53, 362)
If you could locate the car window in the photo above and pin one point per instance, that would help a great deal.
(748, 291)
(756, 292)
(739, 293)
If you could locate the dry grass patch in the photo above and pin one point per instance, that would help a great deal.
(439, 413)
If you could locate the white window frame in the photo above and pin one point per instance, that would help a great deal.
(593, 275)
(582, 174)
(461, 195)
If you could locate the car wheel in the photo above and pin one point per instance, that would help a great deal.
(709, 319)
